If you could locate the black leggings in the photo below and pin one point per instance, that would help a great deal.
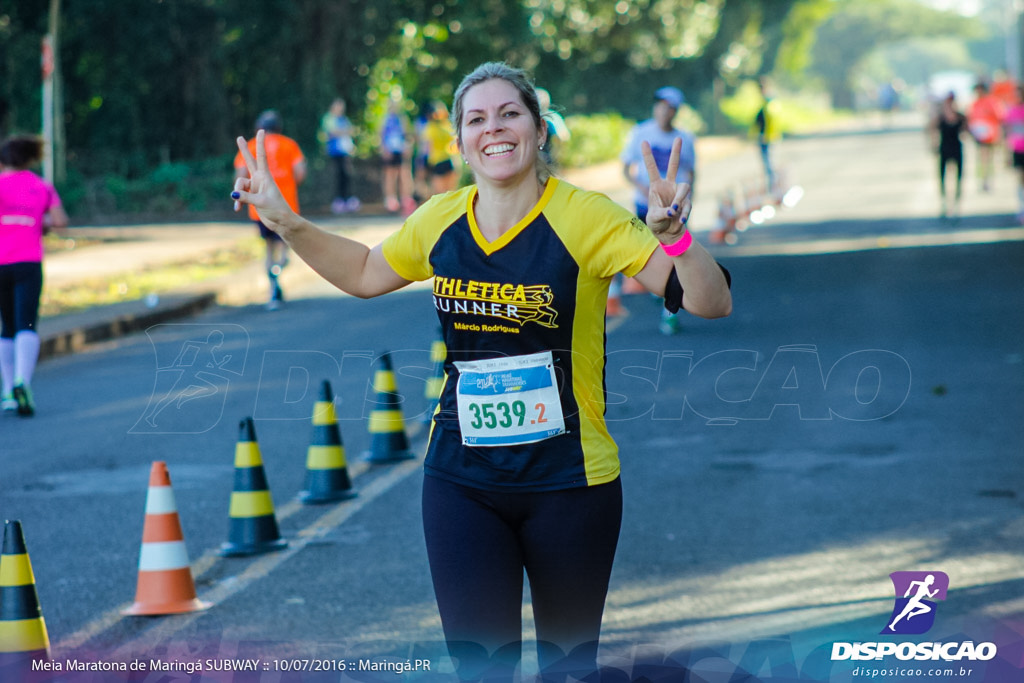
(21, 285)
(341, 179)
(479, 543)
(957, 159)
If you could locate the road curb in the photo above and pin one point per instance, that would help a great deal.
(73, 332)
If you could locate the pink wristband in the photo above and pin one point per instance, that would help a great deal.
(679, 246)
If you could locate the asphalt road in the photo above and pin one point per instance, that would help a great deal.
(859, 414)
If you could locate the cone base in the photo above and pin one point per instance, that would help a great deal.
(241, 549)
(392, 456)
(175, 607)
(318, 497)
(326, 486)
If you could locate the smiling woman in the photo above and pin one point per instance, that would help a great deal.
(521, 472)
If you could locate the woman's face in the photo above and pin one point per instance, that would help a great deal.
(497, 133)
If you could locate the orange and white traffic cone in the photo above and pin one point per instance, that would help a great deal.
(726, 223)
(165, 584)
(23, 637)
(327, 477)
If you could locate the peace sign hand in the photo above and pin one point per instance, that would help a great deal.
(668, 202)
(259, 189)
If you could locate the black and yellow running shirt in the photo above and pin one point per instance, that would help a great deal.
(541, 286)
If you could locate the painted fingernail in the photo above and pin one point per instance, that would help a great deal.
(235, 195)
(670, 214)
(675, 207)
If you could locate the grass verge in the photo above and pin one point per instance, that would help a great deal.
(131, 285)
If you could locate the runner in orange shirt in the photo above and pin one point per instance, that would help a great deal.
(985, 120)
(288, 166)
(1005, 89)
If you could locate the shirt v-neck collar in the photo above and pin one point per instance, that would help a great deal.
(490, 247)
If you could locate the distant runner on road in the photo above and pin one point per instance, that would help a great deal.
(288, 166)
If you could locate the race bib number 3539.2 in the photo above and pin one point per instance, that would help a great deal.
(508, 401)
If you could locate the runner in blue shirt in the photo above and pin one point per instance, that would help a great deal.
(660, 133)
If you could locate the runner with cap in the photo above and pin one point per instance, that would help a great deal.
(660, 133)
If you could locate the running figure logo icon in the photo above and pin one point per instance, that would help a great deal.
(914, 612)
(195, 367)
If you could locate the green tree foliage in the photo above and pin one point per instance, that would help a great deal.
(141, 91)
(841, 45)
(634, 47)
(22, 26)
(154, 83)
(802, 21)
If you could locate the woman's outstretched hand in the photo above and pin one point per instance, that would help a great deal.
(668, 202)
(259, 189)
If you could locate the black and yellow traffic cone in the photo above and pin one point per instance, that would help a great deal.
(253, 527)
(435, 383)
(388, 441)
(23, 636)
(327, 477)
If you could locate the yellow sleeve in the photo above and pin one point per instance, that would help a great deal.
(602, 236)
(405, 251)
(408, 249)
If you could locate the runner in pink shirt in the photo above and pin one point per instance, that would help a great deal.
(1014, 126)
(29, 207)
